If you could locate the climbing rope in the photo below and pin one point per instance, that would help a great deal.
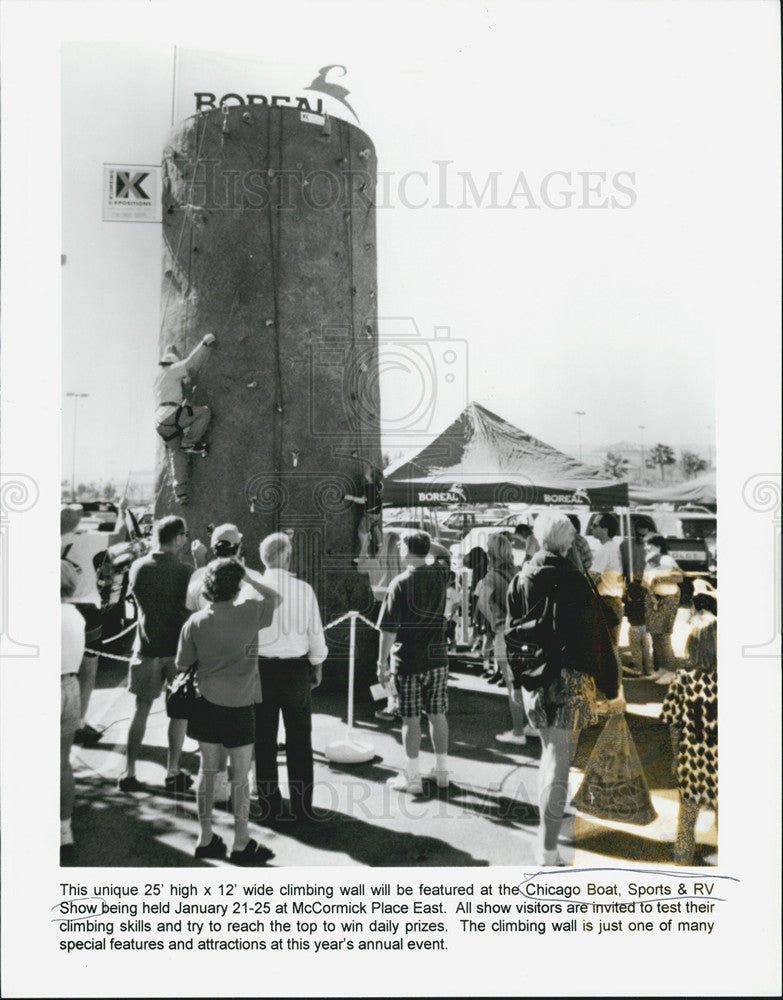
(188, 207)
(273, 224)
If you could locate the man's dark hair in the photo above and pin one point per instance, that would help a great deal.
(705, 602)
(167, 528)
(523, 530)
(418, 543)
(225, 549)
(222, 579)
(610, 522)
(574, 519)
(659, 542)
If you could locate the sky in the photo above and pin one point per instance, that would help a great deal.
(555, 306)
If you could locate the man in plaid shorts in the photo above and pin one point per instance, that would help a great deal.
(413, 651)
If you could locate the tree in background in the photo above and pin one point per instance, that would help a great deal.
(691, 464)
(615, 465)
(661, 455)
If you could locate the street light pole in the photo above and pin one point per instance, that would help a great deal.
(642, 428)
(579, 414)
(75, 396)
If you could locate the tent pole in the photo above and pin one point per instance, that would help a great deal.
(465, 607)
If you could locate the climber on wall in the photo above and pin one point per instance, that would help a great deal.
(370, 534)
(181, 425)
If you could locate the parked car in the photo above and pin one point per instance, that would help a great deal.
(510, 521)
(402, 522)
(692, 537)
(113, 548)
(459, 522)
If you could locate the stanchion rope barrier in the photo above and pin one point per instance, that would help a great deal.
(348, 615)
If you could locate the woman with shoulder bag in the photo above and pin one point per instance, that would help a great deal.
(575, 656)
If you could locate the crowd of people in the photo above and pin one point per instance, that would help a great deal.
(592, 592)
(255, 644)
(241, 632)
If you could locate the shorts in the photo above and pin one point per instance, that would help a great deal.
(425, 692)
(569, 703)
(221, 724)
(93, 623)
(149, 675)
(70, 704)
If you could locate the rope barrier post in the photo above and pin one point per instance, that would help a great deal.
(465, 607)
(351, 669)
(349, 750)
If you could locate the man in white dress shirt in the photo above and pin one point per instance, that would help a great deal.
(290, 653)
(607, 569)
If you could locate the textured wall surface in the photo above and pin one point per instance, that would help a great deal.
(269, 244)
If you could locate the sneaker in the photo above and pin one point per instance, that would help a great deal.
(195, 449)
(530, 731)
(511, 737)
(178, 783)
(665, 677)
(441, 778)
(216, 848)
(251, 854)
(402, 783)
(87, 736)
(550, 859)
(386, 716)
(632, 671)
(130, 783)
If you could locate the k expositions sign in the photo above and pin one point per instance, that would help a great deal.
(131, 193)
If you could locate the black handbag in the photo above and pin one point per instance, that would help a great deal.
(183, 695)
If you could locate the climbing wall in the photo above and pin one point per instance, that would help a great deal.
(269, 244)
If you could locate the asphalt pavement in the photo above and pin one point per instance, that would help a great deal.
(487, 816)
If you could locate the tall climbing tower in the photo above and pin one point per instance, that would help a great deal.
(269, 244)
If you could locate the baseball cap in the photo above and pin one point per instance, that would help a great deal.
(170, 357)
(226, 533)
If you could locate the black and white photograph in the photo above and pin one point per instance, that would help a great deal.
(397, 372)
